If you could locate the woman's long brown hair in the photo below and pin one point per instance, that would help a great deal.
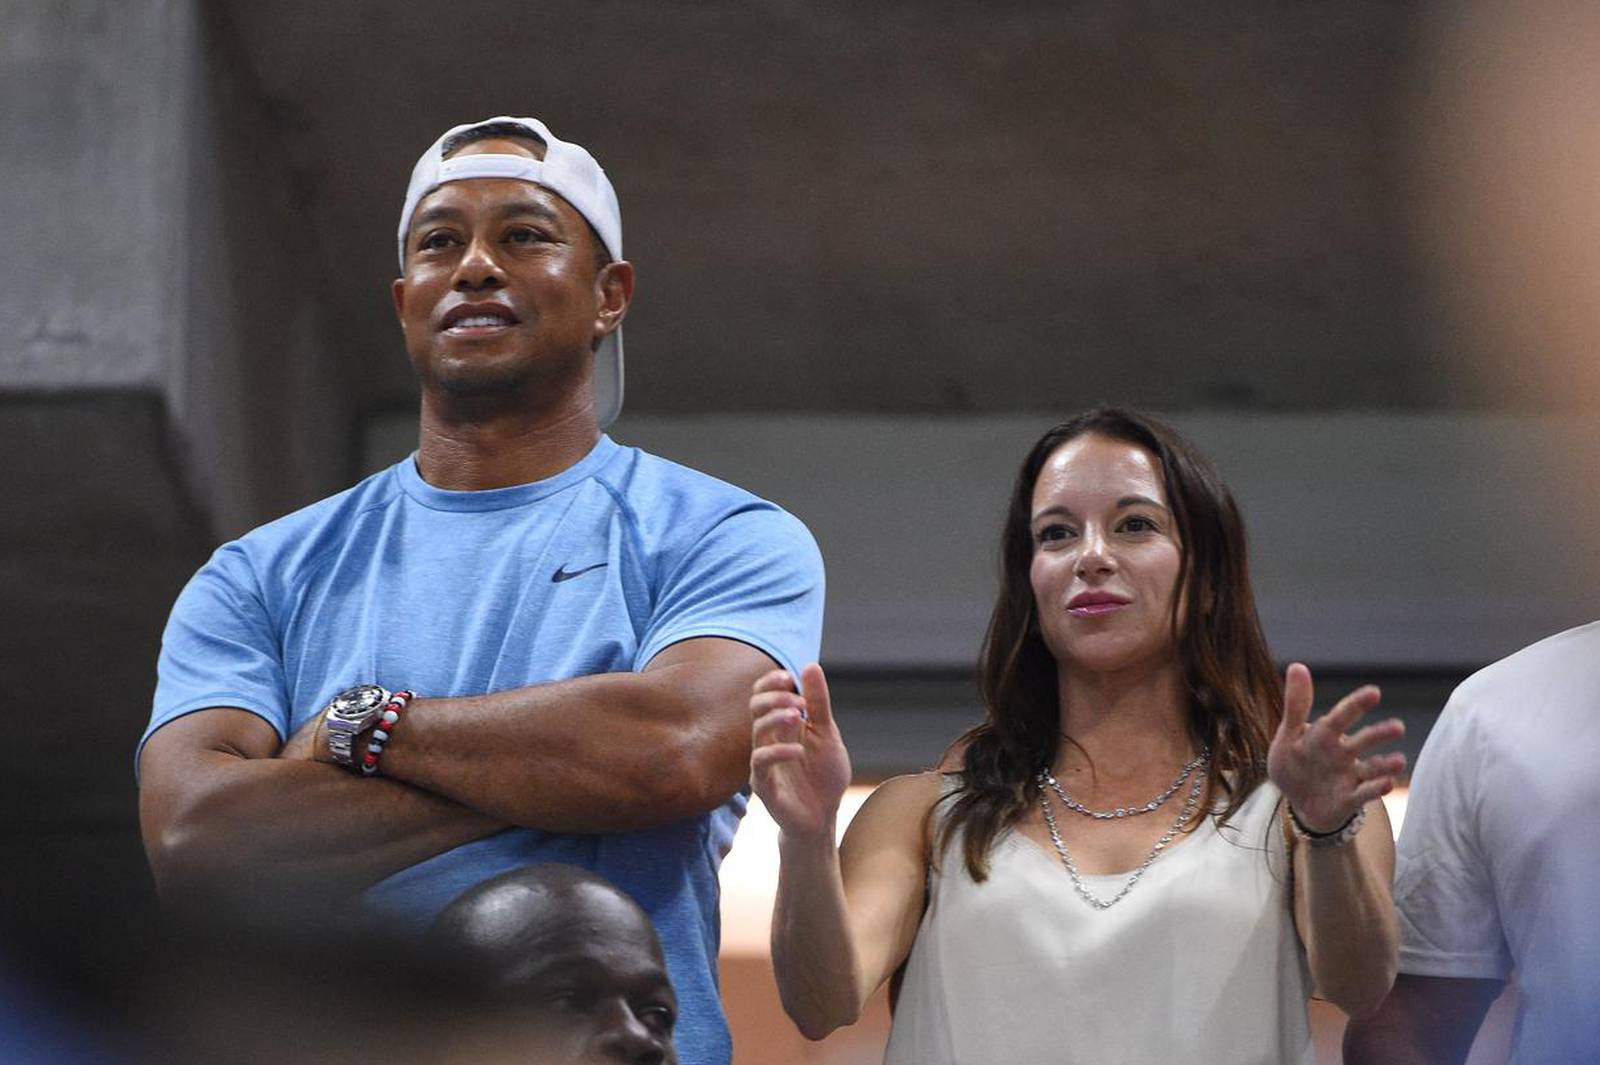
(1235, 695)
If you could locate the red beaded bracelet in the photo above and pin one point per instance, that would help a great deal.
(380, 735)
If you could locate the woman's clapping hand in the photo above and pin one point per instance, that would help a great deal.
(798, 765)
(1325, 771)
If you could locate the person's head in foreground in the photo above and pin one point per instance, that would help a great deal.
(1123, 554)
(572, 958)
(513, 287)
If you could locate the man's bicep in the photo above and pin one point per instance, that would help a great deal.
(715, 674)
(710, 679)
(1449, 1001)
(180, 758)
(1425, 1019)
(716, 656)
(224, 730)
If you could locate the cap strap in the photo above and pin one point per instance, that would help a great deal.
(513, 167)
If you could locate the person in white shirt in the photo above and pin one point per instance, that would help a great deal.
(1499, 867)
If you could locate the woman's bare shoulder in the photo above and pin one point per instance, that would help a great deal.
(914, 789)
(901, 802)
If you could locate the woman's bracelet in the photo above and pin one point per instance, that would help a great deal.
(1337, 838)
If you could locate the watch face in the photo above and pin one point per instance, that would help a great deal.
(358, 701)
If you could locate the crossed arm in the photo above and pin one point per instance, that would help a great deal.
(610, 752)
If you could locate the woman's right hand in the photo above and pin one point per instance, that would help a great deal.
(798, 763)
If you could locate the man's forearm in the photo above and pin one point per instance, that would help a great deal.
(309, 822)
(604, 753)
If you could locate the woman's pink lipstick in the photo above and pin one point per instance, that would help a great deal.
(1095, 604)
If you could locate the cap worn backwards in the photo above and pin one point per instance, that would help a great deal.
(568, 170)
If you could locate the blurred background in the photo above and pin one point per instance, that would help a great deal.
(1351, 248)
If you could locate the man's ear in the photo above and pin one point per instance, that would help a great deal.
(613, 289)
(397, 289)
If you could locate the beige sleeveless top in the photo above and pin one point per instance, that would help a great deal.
(1199, 962)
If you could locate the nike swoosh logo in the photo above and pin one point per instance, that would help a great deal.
(563, 574)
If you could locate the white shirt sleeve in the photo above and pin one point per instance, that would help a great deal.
(1444, 887)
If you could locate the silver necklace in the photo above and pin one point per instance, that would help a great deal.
(1127, 811)
(1189, 806)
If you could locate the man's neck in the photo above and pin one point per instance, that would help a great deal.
(482, 447)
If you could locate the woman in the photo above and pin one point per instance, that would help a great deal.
(1147, 853)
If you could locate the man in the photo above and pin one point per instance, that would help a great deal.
(581, 622)
(1498, 867)
(570, 959)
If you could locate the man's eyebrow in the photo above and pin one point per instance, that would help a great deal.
(445, 212)
(435, 213)
(529, 206)
(553, 973)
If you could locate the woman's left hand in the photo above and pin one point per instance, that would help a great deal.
(1324, 770)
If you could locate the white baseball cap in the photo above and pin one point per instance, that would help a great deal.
(567, 170)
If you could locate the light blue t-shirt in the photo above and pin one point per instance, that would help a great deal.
(595, 570)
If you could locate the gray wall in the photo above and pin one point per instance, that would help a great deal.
(153, 246)
(1386, 541)
(160, 386)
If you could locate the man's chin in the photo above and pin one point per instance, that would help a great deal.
(479, 385)
(476, 378)
(489, 377)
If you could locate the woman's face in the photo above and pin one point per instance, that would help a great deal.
(1105, 557)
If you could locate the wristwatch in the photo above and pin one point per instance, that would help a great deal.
(348, 714)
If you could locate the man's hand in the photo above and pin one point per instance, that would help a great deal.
(308, 744)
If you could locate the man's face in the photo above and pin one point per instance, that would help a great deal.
(501, 292)
(594, 989)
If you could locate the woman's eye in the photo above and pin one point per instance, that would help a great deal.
(1052, 534)
(1138, 524)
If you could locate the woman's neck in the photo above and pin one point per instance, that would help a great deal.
(1124, 720)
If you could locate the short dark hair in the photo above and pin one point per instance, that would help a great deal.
(516, 131)
(488, 131)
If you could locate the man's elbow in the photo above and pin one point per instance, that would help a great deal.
(179, 858)
(695, 779)
(189, 854)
